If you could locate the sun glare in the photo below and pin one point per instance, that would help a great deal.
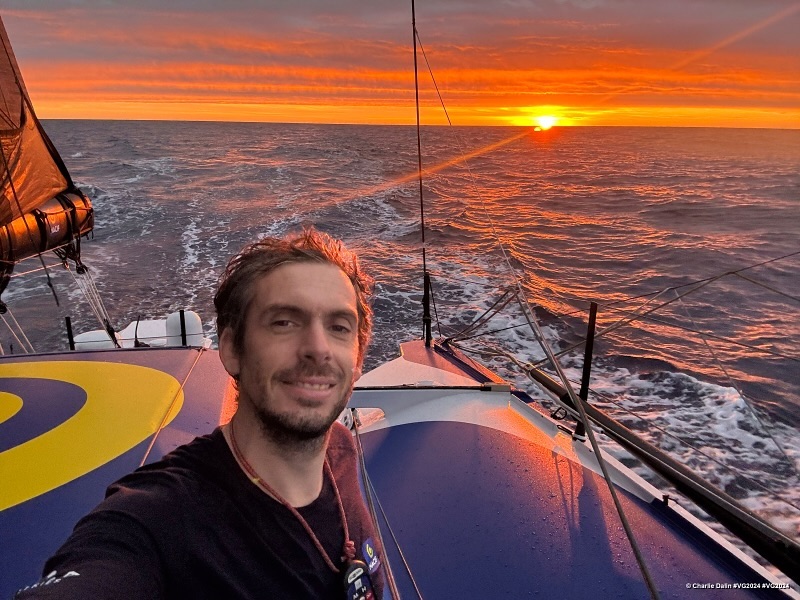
(544, 123)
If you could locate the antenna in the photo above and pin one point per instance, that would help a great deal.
(426, 278)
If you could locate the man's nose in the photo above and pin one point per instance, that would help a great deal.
(316, 345)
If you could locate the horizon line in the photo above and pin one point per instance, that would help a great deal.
(357, 124)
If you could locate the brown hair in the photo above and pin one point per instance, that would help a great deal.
(235, 291)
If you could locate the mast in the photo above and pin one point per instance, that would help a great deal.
(426, 278)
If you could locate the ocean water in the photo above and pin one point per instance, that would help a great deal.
(583, 214)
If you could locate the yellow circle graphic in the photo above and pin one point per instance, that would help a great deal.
(125, 405)
(9, 405)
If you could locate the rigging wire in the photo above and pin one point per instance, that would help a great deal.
(578, 402)
(488, 349)
(37, 269)
(14, 330)
(613, 303)
(778, 496)
(531, 318)
(533, 324)
(20, 329)
(89, 294)
(775, 495)
(500, 304)
(13, 333)
(713, 277)
(426, 316)
(637, 314)
(506, 259)
(396, 543)
(650, 424)
(500, 352)
(436, 314)
(371, 499)
(652, 319)
(633, 316)
(735, 386)
(767, 287)
(371, 491)
(172, 405)
(632, 319)
(721, 338)
(435, 85)
(29, 272)
(88, 286)
(462, 150)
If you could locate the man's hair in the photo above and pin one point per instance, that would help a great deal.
(237, 283)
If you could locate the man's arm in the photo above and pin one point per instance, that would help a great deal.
(109, 556)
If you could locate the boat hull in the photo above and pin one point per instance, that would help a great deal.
(72, 423)
(477, 494)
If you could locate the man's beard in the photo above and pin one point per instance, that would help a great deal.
(298, 432)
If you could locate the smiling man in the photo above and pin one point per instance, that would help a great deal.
(268, 505)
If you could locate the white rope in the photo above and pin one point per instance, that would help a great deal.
(83, 287)
(20, 329)
(14, 334)
(89, 288)
(96, 292)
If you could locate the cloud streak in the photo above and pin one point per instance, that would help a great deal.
(599, 61)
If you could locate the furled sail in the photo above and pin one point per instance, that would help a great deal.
(40, 207)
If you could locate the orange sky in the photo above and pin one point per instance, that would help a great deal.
(732, 63)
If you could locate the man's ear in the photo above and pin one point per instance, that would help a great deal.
(228, 353)
(356, 374)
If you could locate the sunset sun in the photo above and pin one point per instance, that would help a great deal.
(544, 123)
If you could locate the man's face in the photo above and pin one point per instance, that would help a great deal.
(300, 352)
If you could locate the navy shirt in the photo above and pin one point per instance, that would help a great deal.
(193, 526)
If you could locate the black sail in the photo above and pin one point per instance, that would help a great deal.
(31, 170)
(40, 207)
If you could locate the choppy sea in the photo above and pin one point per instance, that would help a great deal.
(583, 214)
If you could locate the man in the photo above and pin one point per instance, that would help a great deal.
(269, 505)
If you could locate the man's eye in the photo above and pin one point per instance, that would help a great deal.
(341, 328)
(282, 323)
